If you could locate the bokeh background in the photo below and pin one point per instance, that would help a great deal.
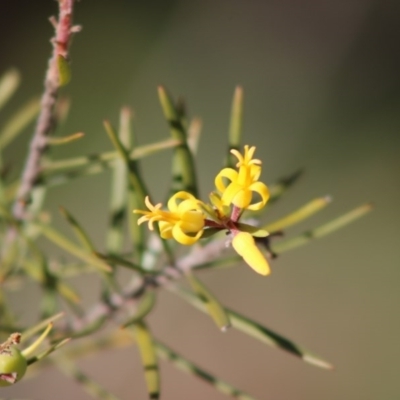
(322, 92)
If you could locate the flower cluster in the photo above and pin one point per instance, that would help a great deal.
(188, 219)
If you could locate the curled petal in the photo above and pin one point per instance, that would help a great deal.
(181, 237)
(262, 190)
(245, 246)
(165, 229)
(237, 195)
(173, 203)
(228, 173)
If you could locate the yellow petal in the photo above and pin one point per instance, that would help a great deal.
(181, 237)
(245, 246)
(228, 173)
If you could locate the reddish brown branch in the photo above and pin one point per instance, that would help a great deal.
(46, 121)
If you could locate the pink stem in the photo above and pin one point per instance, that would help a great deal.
(45, 122)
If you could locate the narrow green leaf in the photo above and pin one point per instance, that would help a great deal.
(104, 160)
(256, 330)
(187, 366)
(9, 82)
(28, 333)
(79, 232)
(64, 70)
(119, 189)
(220, 263)
(194, 132)
(299, 215)
(149, 359)
(254, 230)
(92, 327)
(322, 230)
(91, 387)
(120, 261)
(56, 141)
(61, 241)
(47, 352)
(183, 167)
(37, 272)
(207, 233)
(146, 304)
(137, 191)
(235, 127)
(68, 293)
(213, 306)
(18, 122)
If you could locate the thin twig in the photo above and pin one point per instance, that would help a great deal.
(46, 121)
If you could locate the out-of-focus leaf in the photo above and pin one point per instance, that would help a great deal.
(115, 260)
(103, 160)
(38, 327)
(9, 82)
(91, 387)
(194, 132)
(299, 215)
(146, 304)
(61, 241)
(80, 233)
(235, 127)
(137, 191)
(50, 350)
(149, 359)
(322, 230)
(183, 168)
(18, 122)
(257, 331)
(64, 70)
(119, 189)
(56, 141)
(254, 230)
(187, 366)
(213, 306)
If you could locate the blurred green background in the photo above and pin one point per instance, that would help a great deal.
(322, 91)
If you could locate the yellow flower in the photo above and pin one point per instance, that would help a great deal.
(245, 246)
(184, 221)
(243, 183)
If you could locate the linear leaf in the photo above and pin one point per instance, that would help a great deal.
(18, 122)
(80, 233)
(64, 70)
(235, 127)
(137, 190)
(194, 132)
(103, 160)
(119, 189)
(149, 359)
(322, 230)
(146, 304)
(91, 387)
(61, 241)
(57, 141)
(48, 351)
(299, 215)
(183, 168)
(41, 325)
(257, 331)
(120, 261)
(187, 366)
(9, 82)
(214, 308)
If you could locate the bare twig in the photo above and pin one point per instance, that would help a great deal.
(46, 121)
